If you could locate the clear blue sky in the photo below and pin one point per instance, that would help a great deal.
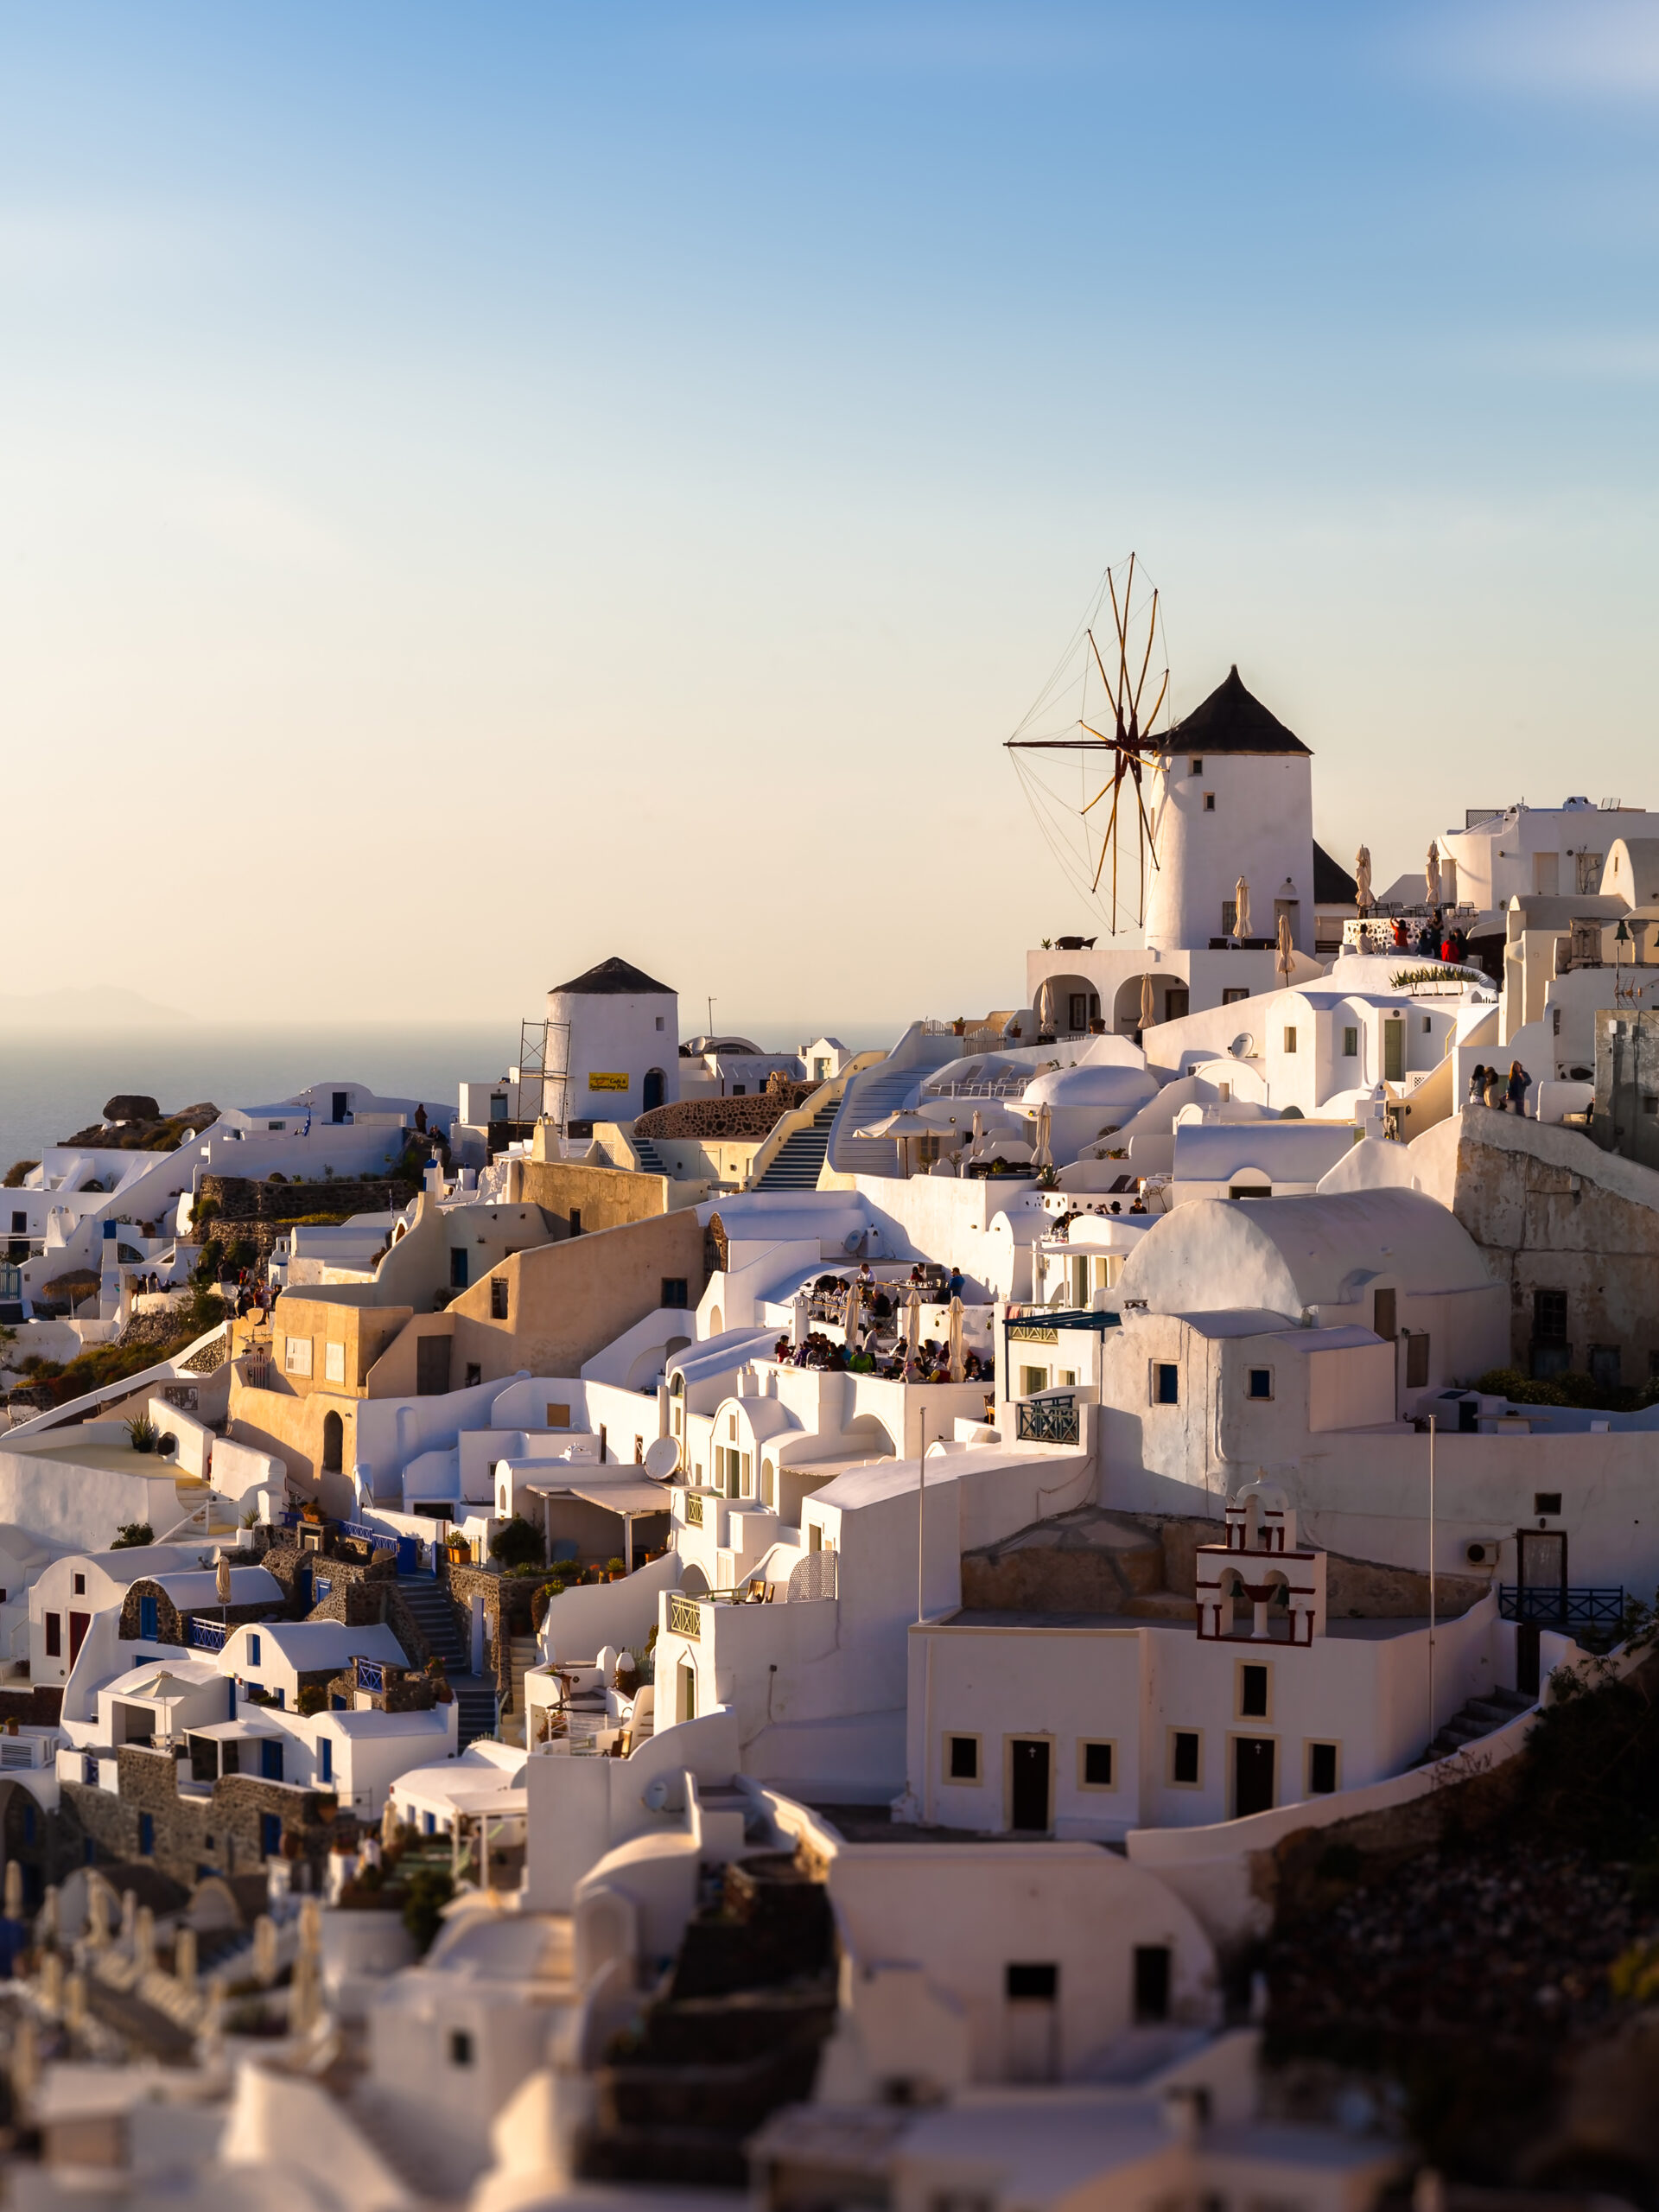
(484, 488)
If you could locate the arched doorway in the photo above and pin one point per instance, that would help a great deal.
(652, 1089)
(334, 1444)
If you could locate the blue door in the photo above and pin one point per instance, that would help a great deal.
(270, 1834)
(149, 1620)
(270, 1759)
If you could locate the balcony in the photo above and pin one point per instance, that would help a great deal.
(1554, 1606)
(371, 1676)
(1049, 1420)
(685, 1618)
(205, 1636)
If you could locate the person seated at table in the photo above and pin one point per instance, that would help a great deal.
(836, 1361)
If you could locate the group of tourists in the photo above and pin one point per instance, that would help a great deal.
(1491, 1087)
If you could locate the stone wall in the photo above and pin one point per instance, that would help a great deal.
(242, 1200)
(171, 1625)
(221, 1832)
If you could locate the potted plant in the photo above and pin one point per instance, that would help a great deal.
(616, 1570)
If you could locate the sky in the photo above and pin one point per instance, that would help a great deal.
(484, 489)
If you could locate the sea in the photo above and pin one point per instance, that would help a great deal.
(55, 1083)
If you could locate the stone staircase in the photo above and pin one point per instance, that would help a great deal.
(1479, 1718)
(752, 1998)
(428, 1600)
(799, 1159)
(651, 1161)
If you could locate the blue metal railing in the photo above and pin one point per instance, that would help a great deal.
(372, 1676)
(360, 1528)
(205, 1636)
(1552, 1607)
(1049, 1420)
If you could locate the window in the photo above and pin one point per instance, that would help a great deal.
(1252, 1692)
(1261, 1382)
(1554, 1022)
(1550, 1316)
(687, 1691)
(1032, 1379)
(1031, 1984)
(498, 1105)
(1166, 1382)
(474, 1374)
(962, 1759)
(461, 2042)
(54, 1636)
(747, 1476)
(146, 1835)
(674, 1292)
(1197, 767)
(1382, 1312)
(333, 1363)
(1650, 1101)
(1321, 1770)
(1094, 1764)
(740, 1090)
(1290, 1040)
(296, 1355)
(1184, 1765)
(1151, 1982)
(1428, 1024)
(1417, 1360)
(1208, 802)
(325, 1758)
(731, 1426)
(28, 1821)
(80, 1585)
(1350, 1043)
(660, 1021)
(253, 1650)
(459, 1258)
(19, 1224)
(1233, 994)
(498, 1298)
(575, 1221)
(558, 1416)
(1546, 1502)
(428, 1823)
(1394, 1051)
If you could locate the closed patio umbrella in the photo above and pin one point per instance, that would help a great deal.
(1241, 912)
(913, 1320)
(956, 1340)
(1286, 958)
(850, 1318)
(1148, 1012)
(1042, 1157)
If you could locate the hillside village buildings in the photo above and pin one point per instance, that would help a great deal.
(764, 1627)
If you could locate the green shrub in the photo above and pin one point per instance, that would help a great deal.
(132, 1535)
(313, 1698)
(205, 1210)
(515, 1543)
(16, 1172)
(430, 1889)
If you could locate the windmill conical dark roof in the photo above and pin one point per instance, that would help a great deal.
(615, 978)
(1232, 721)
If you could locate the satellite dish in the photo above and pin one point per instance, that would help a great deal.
(1242, 1047)
(662, 1458)
(850, 1242)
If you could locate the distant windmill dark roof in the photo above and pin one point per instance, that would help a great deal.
(1332, 885)
(615, 978)
(1231, 720)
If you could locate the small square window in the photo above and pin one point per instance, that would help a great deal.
(1252, 1692)
(1290, 1040)
(1233, 994)
(674, 1290)
(1351, 1043)
(80, 1586)
(474, 1374)
(498, 1298)
(1321, 1770)
(962, 1759)
(1261, 1382)
(1197, 768)
(1208, 802)
(1546, 1501)
(558, 1416)
(660, 1021)
(1184, 1746)
(1097, 1766)
(1166, 1382)
(460, 2045)
(1039, 1985)
(297, 1355)
(1650, 1101)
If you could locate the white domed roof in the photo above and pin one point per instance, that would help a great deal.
(1123, 1089)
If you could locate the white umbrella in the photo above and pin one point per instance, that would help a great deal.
(1363, 898)
(1042, 1156)
(1432, 875)
(902, 1127)
(1241, 912)
(850, 1317)
(797, 1320)
(1148, 1012)
(956, 1340)
(914, 1319)
(1286, 957)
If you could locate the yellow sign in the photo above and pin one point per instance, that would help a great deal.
(608, 1083)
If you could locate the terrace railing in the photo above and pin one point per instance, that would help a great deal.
(205, 1636)
(1049, 1420)
(685, 1617)
(1554, 1607)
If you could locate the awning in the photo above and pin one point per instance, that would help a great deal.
(616, 1497)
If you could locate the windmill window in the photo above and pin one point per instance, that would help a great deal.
(1198, 768)
(1208, 802)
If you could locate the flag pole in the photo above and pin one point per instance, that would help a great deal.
(1431, 1578)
